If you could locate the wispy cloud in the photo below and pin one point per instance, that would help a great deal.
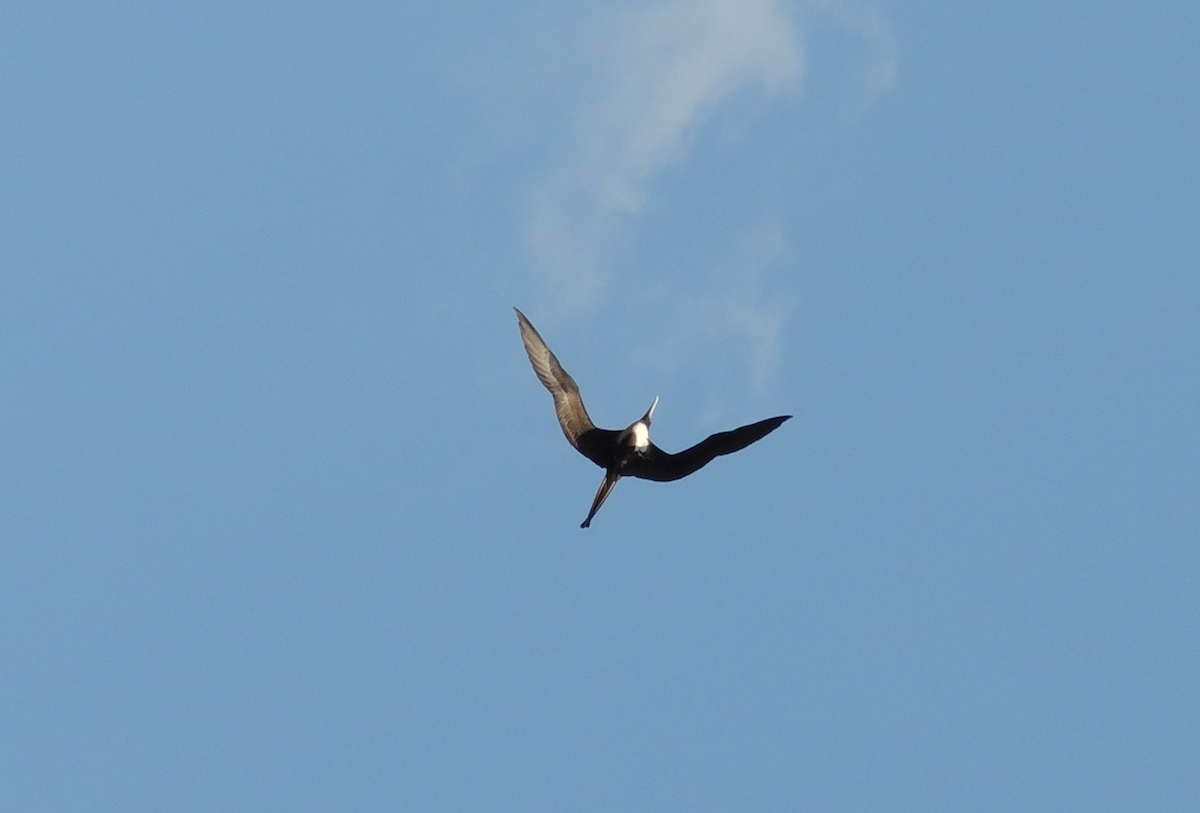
(877, 73)
(663, 68)
(668, 65)
(736, 319)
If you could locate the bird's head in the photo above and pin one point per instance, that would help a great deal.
(649, 412)
(639, 433)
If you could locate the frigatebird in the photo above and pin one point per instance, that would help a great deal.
(628, 452)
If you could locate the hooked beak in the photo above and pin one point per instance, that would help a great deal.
(650, 412)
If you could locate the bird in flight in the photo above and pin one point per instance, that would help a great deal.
(627, 452)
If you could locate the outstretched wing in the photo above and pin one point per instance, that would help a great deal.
(661, 466)
(572, 416)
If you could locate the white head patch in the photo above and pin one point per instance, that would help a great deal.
(641, 435)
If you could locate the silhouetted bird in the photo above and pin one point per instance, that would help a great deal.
(628, 452)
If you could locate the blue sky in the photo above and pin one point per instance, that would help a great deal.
(286, 521)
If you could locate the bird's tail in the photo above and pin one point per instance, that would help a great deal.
(610, 480)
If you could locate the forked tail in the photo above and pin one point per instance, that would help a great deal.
(610, 480)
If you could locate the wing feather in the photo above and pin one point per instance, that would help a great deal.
(568, 405)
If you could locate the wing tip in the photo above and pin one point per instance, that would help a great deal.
(527, 328)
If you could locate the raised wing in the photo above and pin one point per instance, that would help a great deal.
(661, 466)
(572, 416)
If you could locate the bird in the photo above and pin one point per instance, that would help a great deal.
(627, 452)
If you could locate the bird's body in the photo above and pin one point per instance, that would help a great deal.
(628, 452)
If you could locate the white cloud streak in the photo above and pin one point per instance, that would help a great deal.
(664, 68)
(668, 66)
(878, 74)
(738, 317)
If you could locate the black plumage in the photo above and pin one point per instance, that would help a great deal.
(628, 452)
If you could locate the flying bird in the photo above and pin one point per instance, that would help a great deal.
(627, 452)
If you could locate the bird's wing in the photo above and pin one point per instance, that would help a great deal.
(572, 416)
(659, 465)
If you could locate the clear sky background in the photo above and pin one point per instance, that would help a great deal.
(286, 520)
